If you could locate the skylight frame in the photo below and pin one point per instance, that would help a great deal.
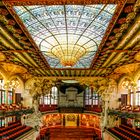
(85, 61)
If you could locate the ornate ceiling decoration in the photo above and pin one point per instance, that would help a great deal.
(67, 35)
(137, 56)
(2, 56)
(118, 47)
(13, 69)
(64, 2)
(128, 69)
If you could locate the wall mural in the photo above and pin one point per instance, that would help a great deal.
(52, 120)
(90, 121)
(72, 119)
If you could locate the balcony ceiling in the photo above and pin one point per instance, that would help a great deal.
(76, 38)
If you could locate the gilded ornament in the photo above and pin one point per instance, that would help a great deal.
(2, 56)
(11, 22)
(116, 30)
(3, 12)
(118, 35)
(137, 56)
(124, 27)
(130, 17)
(121, 20)
(17, 36)
(114, 41)
(2, 18)
(10, 28)
(137, 6)
(128, 9)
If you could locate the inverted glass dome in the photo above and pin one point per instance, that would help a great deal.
(67, 35)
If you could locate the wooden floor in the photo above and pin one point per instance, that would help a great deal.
(72, 134)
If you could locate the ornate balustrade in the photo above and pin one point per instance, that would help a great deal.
(4, 113)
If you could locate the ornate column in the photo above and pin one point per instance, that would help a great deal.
(106, 97)
(129, 97)
(134, 88)
(14, 96)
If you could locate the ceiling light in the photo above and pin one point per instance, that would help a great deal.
(69, 56)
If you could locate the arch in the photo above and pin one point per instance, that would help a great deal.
(29, 83)
(123, 78)
(3, 73)
(137, 75)
(20, 79)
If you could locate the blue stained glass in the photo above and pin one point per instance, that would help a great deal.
(67, 34)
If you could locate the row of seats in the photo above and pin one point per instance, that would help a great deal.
(94, 108)
(13, 131)
(137, 132)
(125, 132)
(11, 123)
(118, 134)
(18, 133)
(130, 108)
(44, 108)
(7, 107)
(3, 129)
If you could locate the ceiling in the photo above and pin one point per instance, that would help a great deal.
(117, 46)
(67, 35)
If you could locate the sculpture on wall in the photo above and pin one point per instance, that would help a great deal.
(41, 86)
(34, 120)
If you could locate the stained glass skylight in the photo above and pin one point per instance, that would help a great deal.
(67, 35)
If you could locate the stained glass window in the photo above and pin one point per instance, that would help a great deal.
(67, 35)
(138, 94)
(91, 98)
(4, 97)
(10, 97)
(51, 98)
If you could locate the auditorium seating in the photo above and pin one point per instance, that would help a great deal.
(11, 107)
(9, 127)
(137, 132)
(44, 108)
(94, 108)
(13, 131)
(125, 133)
(129, 108)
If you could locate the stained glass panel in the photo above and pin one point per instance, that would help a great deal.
(67, 35)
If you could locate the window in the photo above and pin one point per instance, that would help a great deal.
(91, 98)
(138, 93)
(4, 96)
(137, 97)
(51, 98)
(10, 97)
(95, 99)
